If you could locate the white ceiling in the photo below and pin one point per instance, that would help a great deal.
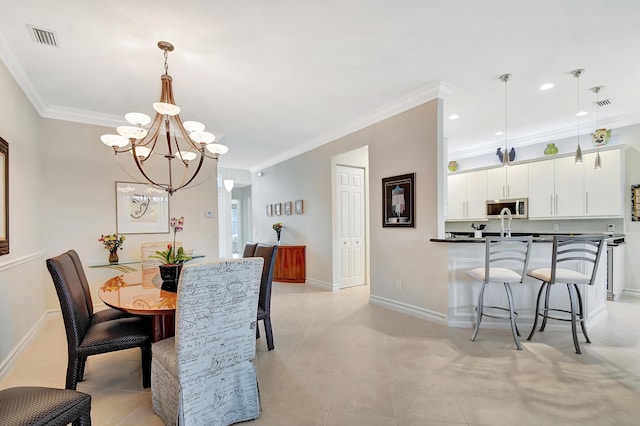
(282, 76)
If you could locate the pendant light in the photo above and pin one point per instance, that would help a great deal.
(597, 90)
(577, 73)
(505, 157)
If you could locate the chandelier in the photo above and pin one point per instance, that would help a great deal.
(184, 145)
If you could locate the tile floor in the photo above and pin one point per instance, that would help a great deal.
(342, 361)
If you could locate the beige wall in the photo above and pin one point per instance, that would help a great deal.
(405, 143)
(24, 292)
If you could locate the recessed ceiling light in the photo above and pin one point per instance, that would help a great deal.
(454, 117)
(581, 113)
(546, 86)
(499, 133)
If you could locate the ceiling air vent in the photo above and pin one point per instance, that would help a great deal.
(604, 102)
(42, 36)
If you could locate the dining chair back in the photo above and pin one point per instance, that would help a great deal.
(249, 249)
(85, 337)
(206, 374)
(574, 260)
(107, 314)
(268, 252)
(506, 260)
(44, 406)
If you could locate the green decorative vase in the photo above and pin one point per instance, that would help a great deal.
(453, 166)
(551, 149)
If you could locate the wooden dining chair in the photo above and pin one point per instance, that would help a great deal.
(85, 337)
(206, 374)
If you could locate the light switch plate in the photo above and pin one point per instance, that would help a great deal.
(208, 213)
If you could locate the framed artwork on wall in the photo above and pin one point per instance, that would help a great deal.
(299, 206)
(4, 197)
(278, 209)
(398, 201)
(635, 203)
(269, 210)
(287, 207)
(141, 209)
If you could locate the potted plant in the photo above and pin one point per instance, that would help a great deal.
(172, 259)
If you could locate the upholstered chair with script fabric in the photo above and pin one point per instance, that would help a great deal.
(206, 374)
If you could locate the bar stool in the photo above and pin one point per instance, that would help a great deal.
(502, 256)
(581, 251)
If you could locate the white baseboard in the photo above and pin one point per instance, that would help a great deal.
(321, 284)
(7, 362)
(631, 292)
(412, 310)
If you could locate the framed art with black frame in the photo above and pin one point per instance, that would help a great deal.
(398, 201)
(4, 197)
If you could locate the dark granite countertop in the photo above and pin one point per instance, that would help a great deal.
(467, 237)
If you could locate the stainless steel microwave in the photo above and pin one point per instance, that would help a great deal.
(519, 208)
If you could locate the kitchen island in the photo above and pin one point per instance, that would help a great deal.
(466, 253)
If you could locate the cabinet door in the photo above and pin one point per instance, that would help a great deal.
(541, 192)
(497, 183)
(517, 181)
(569, 188)
(456, 196)
(603, 188)
(476, 183)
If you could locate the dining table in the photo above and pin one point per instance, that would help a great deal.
(139, 293)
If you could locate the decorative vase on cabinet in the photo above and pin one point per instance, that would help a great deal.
(551, 149)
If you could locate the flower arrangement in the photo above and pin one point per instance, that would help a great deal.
(171, 256)
(112, 242)
(278, 228)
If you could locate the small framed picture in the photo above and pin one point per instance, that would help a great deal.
(269, 210)
(299, 206)
(398, 200)
(287, 208)
(278, 209)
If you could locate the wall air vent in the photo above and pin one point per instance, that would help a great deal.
(42, 36)
(604, 102)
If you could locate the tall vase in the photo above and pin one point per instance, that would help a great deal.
(278, 234)
(170, 274)
(113, 256)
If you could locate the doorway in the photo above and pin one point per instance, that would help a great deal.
(351, 240)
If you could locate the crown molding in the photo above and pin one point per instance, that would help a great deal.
(426, 93)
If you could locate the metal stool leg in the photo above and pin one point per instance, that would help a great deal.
(581, 312)
(512, 316)
(574, 328)
(537, 312)
(545, 314)
(479, 311)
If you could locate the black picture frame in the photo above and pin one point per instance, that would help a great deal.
(398, 201)
(4, 197)
(635, 203)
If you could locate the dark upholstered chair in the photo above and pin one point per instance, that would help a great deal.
(85, 337)
(40, 406)
(249, 249)
(100, 316)
(268, 253)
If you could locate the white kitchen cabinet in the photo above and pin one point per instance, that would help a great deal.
(556, 188)
(508, 182)
(603, 188)
(467, 196)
